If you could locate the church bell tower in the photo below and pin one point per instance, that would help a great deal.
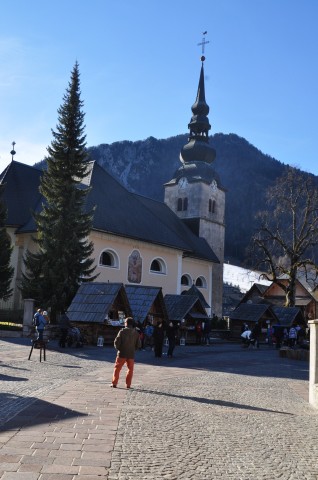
(195, 193)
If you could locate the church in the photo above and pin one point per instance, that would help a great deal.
(171, 245)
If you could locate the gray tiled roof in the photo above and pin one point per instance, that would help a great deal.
(193, 290)
(142, 298)
(251, 312)
(21, 194)
(179, 306)
(118, 211)
(93, 301)
(286, 316)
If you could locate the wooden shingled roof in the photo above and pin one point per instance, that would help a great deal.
(179, 306)
(93, 301)
(251, 312)
(193, 290)
(144, 300)
(286, 316)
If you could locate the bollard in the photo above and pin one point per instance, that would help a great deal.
(182, 341)
(100, 341)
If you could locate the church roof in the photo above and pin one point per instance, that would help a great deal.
(93, 301)
(142, 299)
(118, 211)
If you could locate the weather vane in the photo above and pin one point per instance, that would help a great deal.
(203, 44)
(13, 152)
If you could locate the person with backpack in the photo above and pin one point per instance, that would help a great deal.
(39, 322)
(292, 336)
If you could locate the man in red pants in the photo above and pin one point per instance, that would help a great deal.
(126, 343)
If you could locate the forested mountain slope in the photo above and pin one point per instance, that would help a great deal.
(245, 172)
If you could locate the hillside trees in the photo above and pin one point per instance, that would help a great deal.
(62, 261)
(6, 270)
(284, 243)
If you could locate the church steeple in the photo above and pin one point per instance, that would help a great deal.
(198, 149)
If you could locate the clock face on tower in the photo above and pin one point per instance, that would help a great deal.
(214, 186)
(183, 182)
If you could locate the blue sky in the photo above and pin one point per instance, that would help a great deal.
(140, 61)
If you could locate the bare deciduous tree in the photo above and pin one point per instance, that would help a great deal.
(285, 241)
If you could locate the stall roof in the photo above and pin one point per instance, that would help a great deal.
(287, 315)
(93, 301)
(251, 312)
(178, 306)
(142, 298)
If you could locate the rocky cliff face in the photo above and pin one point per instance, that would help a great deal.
(245, 172)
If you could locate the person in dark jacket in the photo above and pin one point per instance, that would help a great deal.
(126, 343)
(158, 336)
(64, 325)
(256, 332)
(171, 335)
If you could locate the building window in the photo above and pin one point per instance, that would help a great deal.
(158, 266)
(182, 204)
(212, 205)
(186, 280)
(200, 282)
(108, 258)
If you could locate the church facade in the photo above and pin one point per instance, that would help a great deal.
(172, 244)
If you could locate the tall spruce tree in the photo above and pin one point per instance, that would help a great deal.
(6, 270)
(62, 262)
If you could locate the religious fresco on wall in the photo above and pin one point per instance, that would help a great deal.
(134, 267)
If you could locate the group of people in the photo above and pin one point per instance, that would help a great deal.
(278, 335)
(68, 333)
(202, 332)
(154, 335)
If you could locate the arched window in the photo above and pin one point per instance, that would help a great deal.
(212, 205)
(182, 204)
(109, 258)
(200, 282)
(186, 280)
(158, 266)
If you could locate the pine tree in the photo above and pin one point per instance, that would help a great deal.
(6, 270)
(62, 261)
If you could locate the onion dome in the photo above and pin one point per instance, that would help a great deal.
(198, 149)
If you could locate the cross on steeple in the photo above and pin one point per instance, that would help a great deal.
(204, 42)
(13, 152)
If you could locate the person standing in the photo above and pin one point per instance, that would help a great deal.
(126, 343)
(256, 332)
(158, 336)
(171, 335)
(40, 324)
(292, 336)
(64, 325)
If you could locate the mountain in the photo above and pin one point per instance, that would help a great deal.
(245, 172)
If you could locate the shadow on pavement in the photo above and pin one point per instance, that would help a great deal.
(209, 401)
(32, 411)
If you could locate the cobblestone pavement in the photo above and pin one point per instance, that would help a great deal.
(216, 412)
